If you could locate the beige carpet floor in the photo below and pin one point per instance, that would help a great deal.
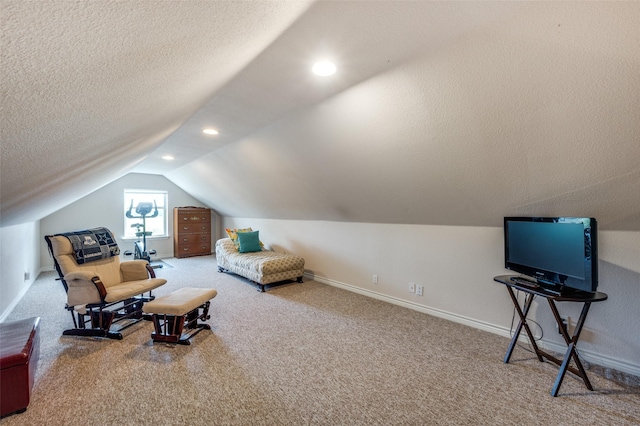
(301, 354)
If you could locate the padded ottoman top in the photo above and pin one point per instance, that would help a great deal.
(180, 302)
(17, 341)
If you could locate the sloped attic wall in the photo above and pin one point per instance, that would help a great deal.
(538, 115)
(90, 89)
(435, 97)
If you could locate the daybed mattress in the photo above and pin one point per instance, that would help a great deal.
(263, 267)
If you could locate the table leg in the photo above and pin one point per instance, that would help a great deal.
(571, 348)
(522, 313)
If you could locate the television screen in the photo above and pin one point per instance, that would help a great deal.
(558, 251)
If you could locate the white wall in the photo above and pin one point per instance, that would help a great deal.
(19, 263)
(105, 207)
(456, 266)
(534, 115)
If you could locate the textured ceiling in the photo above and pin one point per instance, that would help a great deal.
(440, 112)
(90, 89)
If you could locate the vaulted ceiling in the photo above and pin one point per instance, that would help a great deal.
(450, 113)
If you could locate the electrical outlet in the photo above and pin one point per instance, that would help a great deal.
(419, 290)
(412, 288)
(374, 279)
(565, 324)
(26, 276)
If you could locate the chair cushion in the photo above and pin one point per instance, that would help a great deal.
(132, 288)
(133, 270)
(107, 269)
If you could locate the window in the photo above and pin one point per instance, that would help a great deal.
(156, 225)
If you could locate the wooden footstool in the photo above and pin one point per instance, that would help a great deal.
(180, 309)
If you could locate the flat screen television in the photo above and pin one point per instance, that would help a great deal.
(560, 253)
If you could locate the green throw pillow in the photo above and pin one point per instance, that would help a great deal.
(249, 242)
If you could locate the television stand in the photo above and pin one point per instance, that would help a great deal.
(586, 298)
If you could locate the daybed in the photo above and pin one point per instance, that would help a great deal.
(262, 267)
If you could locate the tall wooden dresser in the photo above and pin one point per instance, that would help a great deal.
(191, 231)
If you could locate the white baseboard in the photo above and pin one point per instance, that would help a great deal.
(15, 301)
(589, 356)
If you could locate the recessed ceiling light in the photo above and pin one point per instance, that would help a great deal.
(210, 131)
(167, 157)
(324, 68)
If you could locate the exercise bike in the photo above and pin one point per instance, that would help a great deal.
(140, 248)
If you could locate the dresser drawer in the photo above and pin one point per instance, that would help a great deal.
(191, 227)
(193, 216)
(189, 239)
(193, 249)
